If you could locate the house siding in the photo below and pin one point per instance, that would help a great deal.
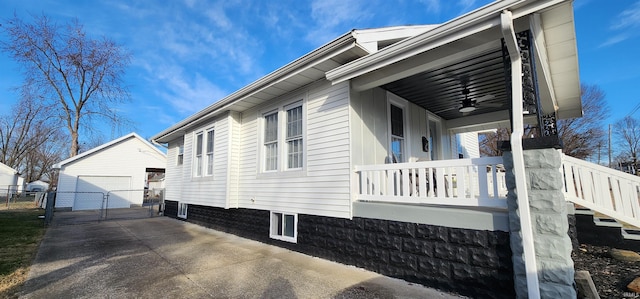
(322, 187)
(371, 128)
(174, 172)
(206, 190)
(474, 263)
(129, 158)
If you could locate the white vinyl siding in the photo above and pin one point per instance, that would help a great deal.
(322, 185)
(210, 189)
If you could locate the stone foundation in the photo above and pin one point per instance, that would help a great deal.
(475, 263)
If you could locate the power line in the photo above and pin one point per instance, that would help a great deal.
(633, 110)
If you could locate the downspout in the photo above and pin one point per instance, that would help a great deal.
(526, 229)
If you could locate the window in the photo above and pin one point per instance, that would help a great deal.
(182, 210)
(271, 141)
(198, 160)
(294, 137)
(210, 152)
(397, 132)
(203, 152)
(283, 147)
(180, 154)
(284, 226)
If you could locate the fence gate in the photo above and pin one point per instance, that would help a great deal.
(110, 205)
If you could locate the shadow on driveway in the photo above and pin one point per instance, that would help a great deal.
(163, 257)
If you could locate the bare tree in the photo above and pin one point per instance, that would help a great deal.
(81, 75)
(489, 142)
(582, 136)
(628, 132)
(24, 132)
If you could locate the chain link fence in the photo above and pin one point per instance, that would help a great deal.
(108, 205)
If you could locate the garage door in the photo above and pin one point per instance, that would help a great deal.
(88, 198)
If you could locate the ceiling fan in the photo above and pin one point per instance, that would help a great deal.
(469, 105)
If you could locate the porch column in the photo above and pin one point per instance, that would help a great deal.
(552, 244)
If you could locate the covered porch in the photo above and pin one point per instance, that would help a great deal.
(410, 106)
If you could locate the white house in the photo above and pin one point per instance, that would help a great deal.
(9, 180)
(112, 175)
(304, 157)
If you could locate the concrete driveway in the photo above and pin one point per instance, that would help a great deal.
(166, 258)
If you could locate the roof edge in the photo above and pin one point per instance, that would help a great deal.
(414, 45)
(105, 145)
(265, 81)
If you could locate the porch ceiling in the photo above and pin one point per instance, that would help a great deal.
(440, 90)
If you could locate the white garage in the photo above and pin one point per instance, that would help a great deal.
(112, 175)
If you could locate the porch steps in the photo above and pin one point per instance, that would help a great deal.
(597, 229)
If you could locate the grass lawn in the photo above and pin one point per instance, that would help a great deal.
(20, 235)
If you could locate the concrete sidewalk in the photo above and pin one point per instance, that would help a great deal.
(166, 258)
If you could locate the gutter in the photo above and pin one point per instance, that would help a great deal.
(526, 228)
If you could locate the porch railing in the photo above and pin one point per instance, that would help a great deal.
(602, 189)
(460, 182)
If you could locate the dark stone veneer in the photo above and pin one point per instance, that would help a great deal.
(469, 262)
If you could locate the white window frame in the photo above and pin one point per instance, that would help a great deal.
(267, 145)
(294, 138)
(197, 153)
(200, 155)
(182, 210)
(180, 155)
(278, 232)
(402, 104)
(282, 141)
(210, 157)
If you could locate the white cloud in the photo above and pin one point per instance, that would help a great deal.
(331, 16)
(433, 6)
(614, 40)
(629, 18)
(187, 94)
(466, 5)
(219, 17)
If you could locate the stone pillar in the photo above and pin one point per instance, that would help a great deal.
(550, 225)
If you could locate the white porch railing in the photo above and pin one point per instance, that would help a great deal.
(602, 189)
(460, 182)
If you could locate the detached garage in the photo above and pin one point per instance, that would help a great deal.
(112, 175)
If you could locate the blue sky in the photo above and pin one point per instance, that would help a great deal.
(188, 54)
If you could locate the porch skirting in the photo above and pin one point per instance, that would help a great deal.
(475, 263)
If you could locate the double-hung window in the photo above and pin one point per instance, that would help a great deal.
(210, 152)
(203, 153)
(198, 159)
(180, 154)
(283, 138)
(271, 141)
(294, 137)
(397, 132)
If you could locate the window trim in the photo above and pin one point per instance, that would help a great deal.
(402, 104)
(273, 229)
(288, 139)
(201, 160)
(282, 140)
(197, 158)
(182, 210)
(180, 154)
(210, 156)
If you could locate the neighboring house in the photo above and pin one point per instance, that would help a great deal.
(9, 180)
(300, 158)
(112, 175)
(37, 186)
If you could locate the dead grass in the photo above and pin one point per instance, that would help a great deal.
(20, 234)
